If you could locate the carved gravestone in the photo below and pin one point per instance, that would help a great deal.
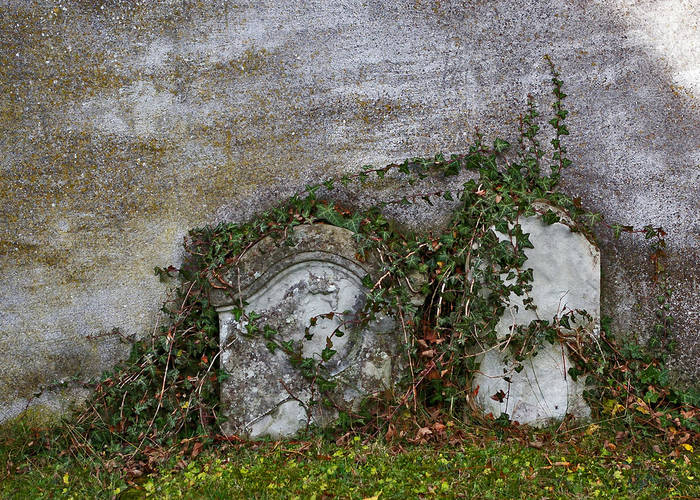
(566, 271)
(313, 272)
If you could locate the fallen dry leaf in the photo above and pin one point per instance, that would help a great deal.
(439, 427)
(423, 431)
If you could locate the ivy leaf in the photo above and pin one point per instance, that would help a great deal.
(499, 396)
(328, 213)
(312, 189)
(500, 145)
(237, 313)
(327, 353)
(269, 332)
(353, 223)
(253, 316)
(564, 321)
(523, 240)
(502, 226)
(550, 217)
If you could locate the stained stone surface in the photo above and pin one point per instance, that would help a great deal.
(288, 285)
(566, 271)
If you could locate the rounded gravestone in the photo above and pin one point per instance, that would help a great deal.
(313, 272)
(566, 277)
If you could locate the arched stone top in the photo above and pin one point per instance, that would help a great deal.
(269, 257)
(312, 271)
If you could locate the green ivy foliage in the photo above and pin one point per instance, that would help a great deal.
(168, 389)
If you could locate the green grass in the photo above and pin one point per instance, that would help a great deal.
(472, 463)
(495, 470)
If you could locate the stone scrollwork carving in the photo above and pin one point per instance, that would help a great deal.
(314, 271)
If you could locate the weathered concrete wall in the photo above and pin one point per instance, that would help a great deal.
(124, 124)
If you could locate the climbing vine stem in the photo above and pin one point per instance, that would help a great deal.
(168, 388)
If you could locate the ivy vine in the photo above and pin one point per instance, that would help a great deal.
(168, 389)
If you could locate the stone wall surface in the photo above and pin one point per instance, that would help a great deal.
(125, 123)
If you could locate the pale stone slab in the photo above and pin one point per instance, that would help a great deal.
(287, 285)
(566, 271)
